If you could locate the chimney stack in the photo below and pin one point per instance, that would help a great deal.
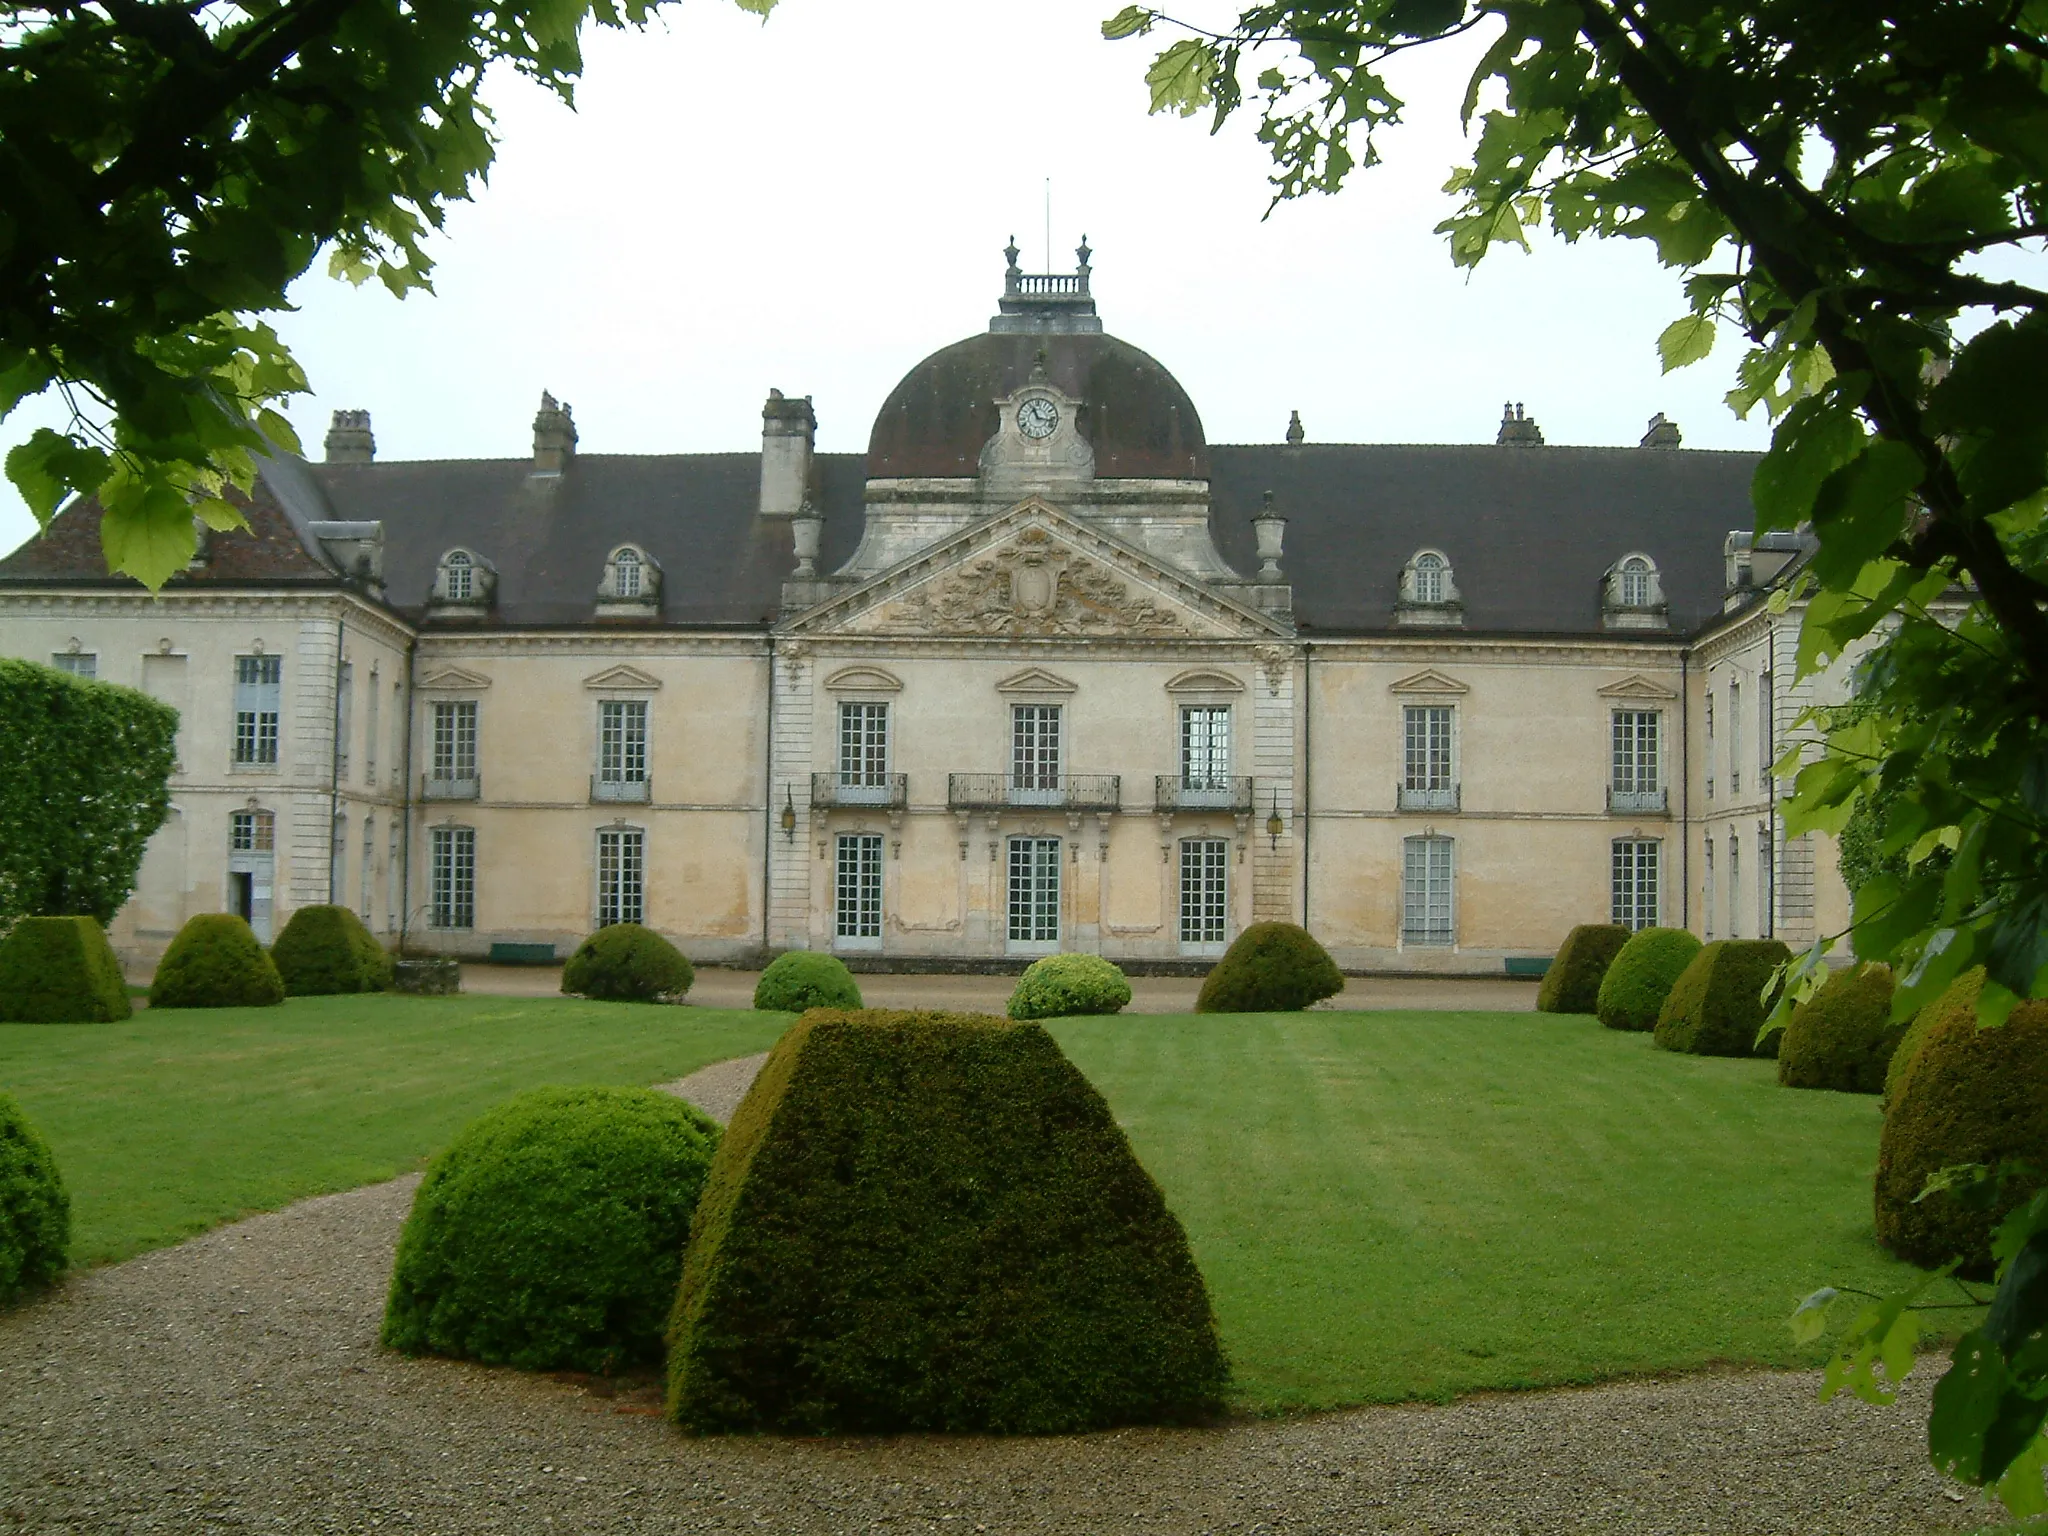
(1661, 433)
(349, 440)
(788, 430)
(554, 437)
(1518, 428)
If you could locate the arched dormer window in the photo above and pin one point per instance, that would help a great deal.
(631, 582)
(1429, 593)
(1632, 595)
(1429, 578)
(1633, 582)
(626, 569)
(464, 579)
(460, 572)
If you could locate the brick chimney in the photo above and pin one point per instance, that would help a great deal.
(554, 436)
(1518, 428)
(788, 430)
(349, 440)
(1661, 433)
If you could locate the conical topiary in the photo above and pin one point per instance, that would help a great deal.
(1633, 991)
(932, 1222)
(326, 949)
(1572, 984)
(1271, 968)
(1843, 1036)
(60, 970)
(215, 962)
(1718, 1005)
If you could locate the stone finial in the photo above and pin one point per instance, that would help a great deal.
(1011, 253)
(1295, 435)
(349, 440)
(554, 436)
(1270, 528)
(1082, 253)
(805, 530)
(1662, 433)
(1518, 428)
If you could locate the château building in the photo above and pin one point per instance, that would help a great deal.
(1043, 669)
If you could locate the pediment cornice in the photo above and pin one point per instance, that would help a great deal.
(1638, 687)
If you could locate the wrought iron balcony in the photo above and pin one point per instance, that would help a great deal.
(1176, 792)
(1655, 801)
(621, 791)
(829, 792)
(469, 787)
(1443, 797)
(1069, 792)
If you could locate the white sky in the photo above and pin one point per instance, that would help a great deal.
(818, 202)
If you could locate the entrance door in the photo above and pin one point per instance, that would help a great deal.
(242, 888)
(1034, 895)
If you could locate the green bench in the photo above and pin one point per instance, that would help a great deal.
(522, 954)
(1528, 967)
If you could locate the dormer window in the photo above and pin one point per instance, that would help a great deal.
(1634, 582)
(1429, 593)
(631, 584)
(464, 579)
(460, 573)
(1429, 578)
(1632, 595)
(626, 572)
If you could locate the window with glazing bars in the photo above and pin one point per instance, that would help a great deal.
(1766, 877)
(1765, 731)
(1426, 890)
(621, 876)
(857, 895)
(1734, 740)
(1034, 890)
(344, 711)
(622, 741)
(1635, 885)
(1426, 757)
(78, 663)
(1707, 893)
(452, 877)
(455, 740)
(337, 860)
(1734, 887)
(369, 862)
(1205, 747)
(370, 731)
(251, 832)
(1635, 583)
(1034, 746)
(259, 687)
(628, 568)
(1636, 756)
(1204, 890)
(1710, 745)
(863, 745)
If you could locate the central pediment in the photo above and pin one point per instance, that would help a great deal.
(1034, 572)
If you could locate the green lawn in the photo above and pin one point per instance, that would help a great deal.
(176, 1121)
(1402, 1205)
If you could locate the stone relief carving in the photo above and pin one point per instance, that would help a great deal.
(1030, 586)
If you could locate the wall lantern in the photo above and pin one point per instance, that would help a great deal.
(788, 815)
(1274, 825)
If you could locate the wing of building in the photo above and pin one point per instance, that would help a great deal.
(1044, 669)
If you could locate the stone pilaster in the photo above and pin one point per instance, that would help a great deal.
(1274, 892)
(791, 859)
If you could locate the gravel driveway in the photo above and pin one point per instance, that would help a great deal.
(234, 1383)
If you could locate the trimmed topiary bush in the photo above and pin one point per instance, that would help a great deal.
(35, 1213)
(60, 970)
(549, 1235)
(1272, 968)
(930, 1221)
(627, 963)
(1843, 1036)
(327, 949)
(1572, 984)
(1971, 1096)
(215, 962)
(803, 979)
(1632, 992)
(1717, 1005)
(1908, 1048)
(1060, 986)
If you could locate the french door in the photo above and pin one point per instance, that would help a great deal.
(1034, 893)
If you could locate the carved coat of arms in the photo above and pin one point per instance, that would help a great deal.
(1030, 587)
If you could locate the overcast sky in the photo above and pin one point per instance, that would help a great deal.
(816, 203)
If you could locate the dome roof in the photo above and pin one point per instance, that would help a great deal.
(1133, 412)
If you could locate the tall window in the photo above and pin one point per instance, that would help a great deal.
(1426, 891)
(1426, 748)
(1204, 891)
(1710, 744)
(452, 876)
(1764, 732)
(252, 841)
(1035, 749)
(369, 862)
(1734, 741)
(622, 741)
(1034, 890)
(1205, 747)
(857, 894)
(1635, 886)
(370, 732)
(461, 577)
(1429, 578)
(627, 565)
(337, 860)
(394, 879)
(252, 832)
(259, 688)
(1635, 582)
(1766, 875)
(1707, 894)
(621, 876)
(398, 742)
(78, 663)
(1734, 887)
(344, 710)
(1637, 760)
(455, 740)
(864, 746)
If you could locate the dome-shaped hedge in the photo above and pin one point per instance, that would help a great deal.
(35, 1213)
(1572, 984)
(1060, 986)
(627, 963)
(1972, 1096)
(326, 949)
(1843, 1036)
(60, 970)
(215, 962)
(549, 1235)
(804, 978)
(1717, 1005)
(1633, 991)
(1272, 968)
(1908, 1048)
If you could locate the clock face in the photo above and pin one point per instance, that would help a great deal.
(1037, 418)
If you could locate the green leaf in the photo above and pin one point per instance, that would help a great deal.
(50, 465)
(1966, 1402)
(146, 530)
(1131, 21)
(1685, 341)
(2020, 1490)
(278, 430)
(1181, 77)
(1817, 437)
(1860, 509)
(1810, 1318)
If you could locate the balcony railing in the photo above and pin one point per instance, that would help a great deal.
(621, 791)
(829, 791)
(1653, 800)
(1409, 797)
(1175, 792)
(466, 788)
(1071, 792)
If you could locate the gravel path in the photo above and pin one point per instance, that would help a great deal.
(718, 1088)
(234, 1383)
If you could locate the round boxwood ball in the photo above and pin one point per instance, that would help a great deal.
(804, 978)
(1842, 1037)
(215, 962)
(1060, 986)
(549, 1235)
(326, 949)
(35, 1213)
(1633, 991)
(627, 963)
(1272, 968)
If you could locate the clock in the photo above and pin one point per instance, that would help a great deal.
(1038, 417)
